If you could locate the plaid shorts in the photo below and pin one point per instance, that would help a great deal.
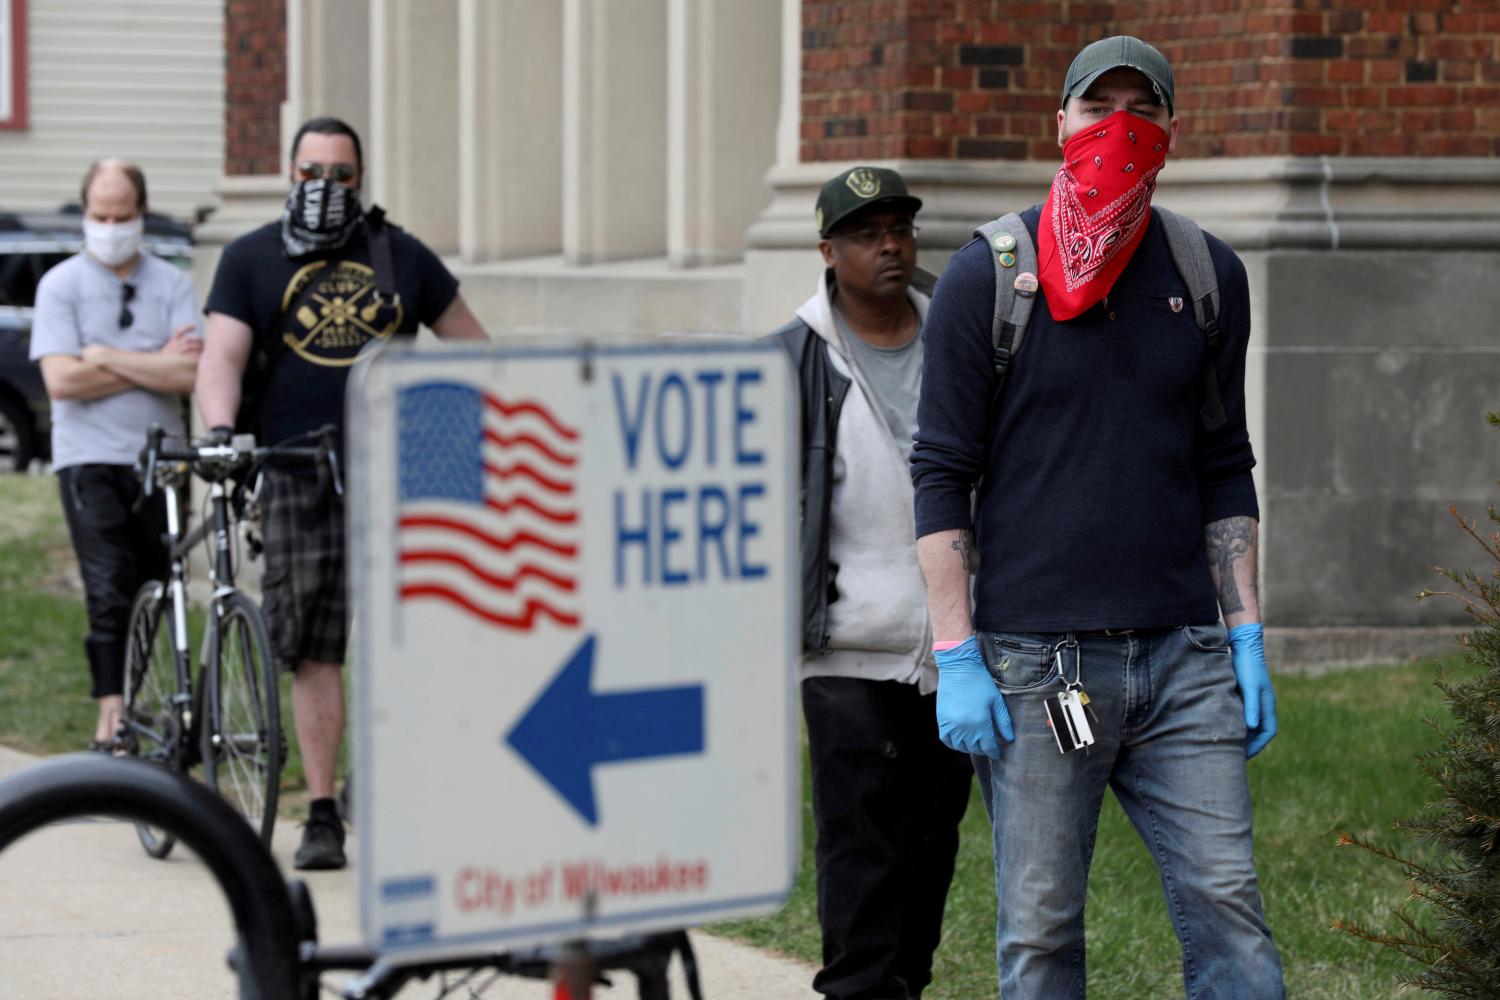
(302, 590)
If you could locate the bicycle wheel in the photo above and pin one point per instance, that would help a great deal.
(151, 723)
(242, 745)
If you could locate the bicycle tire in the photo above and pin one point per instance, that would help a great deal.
(241, 738)
(152, 728)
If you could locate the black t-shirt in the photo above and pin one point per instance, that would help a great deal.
(258, 284)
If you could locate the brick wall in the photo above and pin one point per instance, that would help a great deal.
(255, 85)
(981, 79)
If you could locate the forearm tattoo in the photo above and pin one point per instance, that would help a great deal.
(1228, 542)
(964, 546)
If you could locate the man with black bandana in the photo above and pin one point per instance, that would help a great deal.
(1115, 523)
(301, 294)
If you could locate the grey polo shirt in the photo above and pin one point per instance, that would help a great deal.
(78, 303)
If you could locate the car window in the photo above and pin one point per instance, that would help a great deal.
(19, 274)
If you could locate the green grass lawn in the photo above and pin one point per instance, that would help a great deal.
(1343, 762)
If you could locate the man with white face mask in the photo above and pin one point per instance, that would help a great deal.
(292, 303)
(115, 333)
(1115, 637)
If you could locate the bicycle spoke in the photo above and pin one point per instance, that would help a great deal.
(243, 749)
(151, 722)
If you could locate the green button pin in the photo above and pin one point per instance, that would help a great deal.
(1005, 242)
(1007, 259)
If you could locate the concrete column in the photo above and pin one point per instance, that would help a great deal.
(789, 125)
(328, 65)
(722, 107)
(509, 143)
(411, 156)
(614, 129)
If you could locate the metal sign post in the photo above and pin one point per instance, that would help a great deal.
(576, 581)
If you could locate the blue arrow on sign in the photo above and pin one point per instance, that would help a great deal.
(569, 729)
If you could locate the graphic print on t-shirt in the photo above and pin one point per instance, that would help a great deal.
(339, 312)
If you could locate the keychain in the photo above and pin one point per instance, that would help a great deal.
(1068, 713)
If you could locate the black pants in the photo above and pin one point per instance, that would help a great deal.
(118, 550)
(887, 800)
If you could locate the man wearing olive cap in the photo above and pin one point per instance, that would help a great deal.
(1114, 517)
(887, 795)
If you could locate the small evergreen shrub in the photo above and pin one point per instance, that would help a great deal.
(1455, 936)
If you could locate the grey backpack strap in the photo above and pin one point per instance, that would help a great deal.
(1190, 254)
(1014, 256)
(923, 281)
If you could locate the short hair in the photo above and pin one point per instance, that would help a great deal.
(328, 125)
(131, 172)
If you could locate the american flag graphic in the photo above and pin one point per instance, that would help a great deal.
(488, 516)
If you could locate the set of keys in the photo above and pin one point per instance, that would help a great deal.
(1068, 714)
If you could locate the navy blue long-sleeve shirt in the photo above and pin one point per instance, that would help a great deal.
(1095, 474)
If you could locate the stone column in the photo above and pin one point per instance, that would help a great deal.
(328, 65)
(722, 81)
(411, 155)
(614, 129)
(509, 139)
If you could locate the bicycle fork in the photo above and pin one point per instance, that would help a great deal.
(177, 592)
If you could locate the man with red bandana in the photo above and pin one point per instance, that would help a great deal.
(1113, 638)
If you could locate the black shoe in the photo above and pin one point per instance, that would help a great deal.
(322, 846)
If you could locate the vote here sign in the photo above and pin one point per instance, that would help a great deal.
(575, 577)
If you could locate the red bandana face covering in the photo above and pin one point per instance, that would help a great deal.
(1098, 210)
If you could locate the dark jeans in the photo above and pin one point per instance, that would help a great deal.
(118, 549)
(887, 799)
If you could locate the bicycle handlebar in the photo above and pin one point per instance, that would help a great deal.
(215, 461)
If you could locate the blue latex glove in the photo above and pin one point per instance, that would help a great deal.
(970, 708)
(1246, 645)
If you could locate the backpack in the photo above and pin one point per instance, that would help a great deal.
(266, 351)
(1016, 287)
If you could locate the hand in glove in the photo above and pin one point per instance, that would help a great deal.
(971, 712)
(1246, 646)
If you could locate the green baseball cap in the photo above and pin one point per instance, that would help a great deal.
(861, 187)
(1100, 57)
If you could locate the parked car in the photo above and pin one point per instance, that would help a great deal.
(30, 243)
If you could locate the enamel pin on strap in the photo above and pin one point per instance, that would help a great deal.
(1068, 714)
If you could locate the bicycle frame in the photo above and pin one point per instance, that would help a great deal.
(189, 697)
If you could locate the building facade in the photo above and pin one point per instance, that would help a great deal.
(630, 167)
(84, 79)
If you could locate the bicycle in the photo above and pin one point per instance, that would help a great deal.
(230, 720)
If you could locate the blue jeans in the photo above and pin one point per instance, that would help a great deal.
(1171, 743)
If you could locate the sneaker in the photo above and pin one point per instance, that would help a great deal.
(322, 846)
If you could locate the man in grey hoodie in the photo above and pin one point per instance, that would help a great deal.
(887, 795)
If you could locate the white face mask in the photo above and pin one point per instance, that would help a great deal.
(113, 243)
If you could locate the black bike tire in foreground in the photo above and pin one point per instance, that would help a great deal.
(265, 957)
(150, 682)
(241, 742)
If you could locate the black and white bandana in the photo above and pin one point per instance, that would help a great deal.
(320, 215)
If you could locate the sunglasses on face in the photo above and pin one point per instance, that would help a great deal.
(343, 173)
(868, 236)
(127, 292)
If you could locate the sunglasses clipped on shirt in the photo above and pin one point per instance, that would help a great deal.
(343, 173)
(127, 292)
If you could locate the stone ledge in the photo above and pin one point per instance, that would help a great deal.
(1318, 650)
(1314, 203)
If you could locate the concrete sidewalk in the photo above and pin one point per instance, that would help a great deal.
(85, 913)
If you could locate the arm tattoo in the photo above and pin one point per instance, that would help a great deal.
(964, 546)
(1228, 541)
